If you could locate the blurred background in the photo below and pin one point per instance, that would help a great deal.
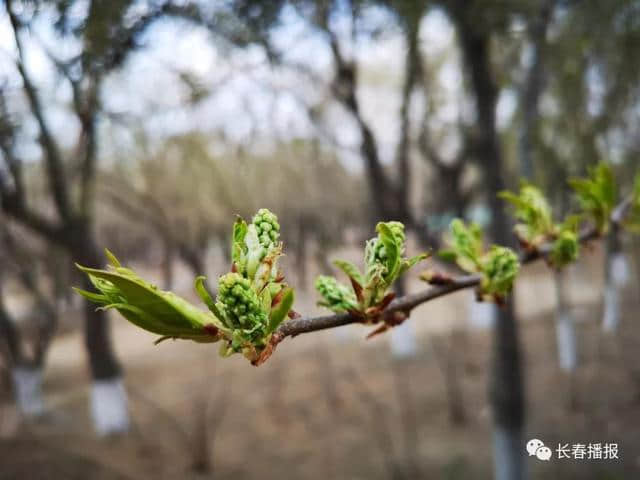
(146, 126)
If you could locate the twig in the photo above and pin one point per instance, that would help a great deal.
(404, 305)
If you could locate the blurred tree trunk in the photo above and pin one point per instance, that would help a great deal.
(411, 13)
(301, 252)
(533, 87)
(25, 372)
(167, 263)
(506, 385)
(403, 337)
(565, 326)
(8, 332)
(102, 359)
(389, 195)
(616, 275)
(447, 353)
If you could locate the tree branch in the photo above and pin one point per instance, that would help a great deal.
(404, 305)
(55, 168)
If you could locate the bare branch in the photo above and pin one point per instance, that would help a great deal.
(55, 168)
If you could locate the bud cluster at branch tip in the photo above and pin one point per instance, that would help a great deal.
(370, 292)
(252, 301)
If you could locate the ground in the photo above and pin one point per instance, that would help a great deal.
(333, 405)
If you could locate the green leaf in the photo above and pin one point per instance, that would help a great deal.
(203, 293)
(632, 221)
(597, 194)
(466, 245)
(94, 297)
(279, 312)
(500, 267)
(169, 312)
(238, 247)
(533, 212)
(112, 258)
(392, 250)
(448, 255)
(255, 251)
(142, 319)
(409, 263)
(350, 270)
(266, 299)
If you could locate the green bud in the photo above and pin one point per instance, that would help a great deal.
(466, 245)
(565, 249)
(533, 212)
(384, 263)
(500, 267)
(239, 304)
(267, 227)
(335, 295)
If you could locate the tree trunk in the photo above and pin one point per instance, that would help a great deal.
(9, 336)
(533, 87)
(565, 327)
(26, 377)
(167, 264)
(301, 254)
(616, 275)
(403, 337)
(506, 390)
(109, 405)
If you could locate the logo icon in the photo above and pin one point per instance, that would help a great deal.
(537, 448)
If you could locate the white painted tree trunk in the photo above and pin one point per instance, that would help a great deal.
(342, 334)
(403, 341)
(109, 409)
(565, 326)
(617, 276)
(27, 384)
(482, 315)
(508, 454)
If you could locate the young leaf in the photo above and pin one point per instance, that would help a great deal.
(281, 309)
(112, 258)
(533, 212)
(146, 306)
(350, 270)
(203, 293)
(500, 267)
(238, 248)
(391, 250)
(597, 195)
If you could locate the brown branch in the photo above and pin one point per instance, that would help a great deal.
(54, 163)
(404, 305)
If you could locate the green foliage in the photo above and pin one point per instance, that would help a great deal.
(267, 227)
(566, 246)
(252, 300)
(535, 226)
(596, 195)
(242, 312)
(533, 212)
(467, 245)
(335, 296)
(255, 248)
(632, 222)
(148, 307)
(498, 266)
(383, 262)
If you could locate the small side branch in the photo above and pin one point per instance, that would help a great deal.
(404, 305)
